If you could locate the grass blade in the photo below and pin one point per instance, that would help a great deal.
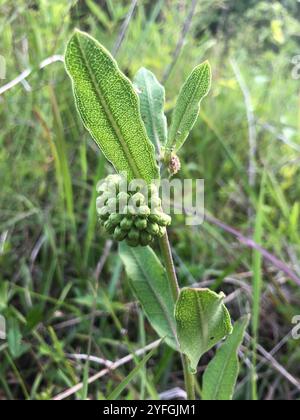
(120, 388)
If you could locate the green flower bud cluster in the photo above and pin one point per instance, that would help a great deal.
(136, 217)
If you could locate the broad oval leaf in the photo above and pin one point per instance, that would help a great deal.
(187, 107)
(109, 108)
(152, 103)
(221, 374)
(202, 321)
(150, 285)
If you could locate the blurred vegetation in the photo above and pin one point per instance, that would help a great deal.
(52, 250)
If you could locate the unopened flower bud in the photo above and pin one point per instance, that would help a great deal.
(119, 234)
(141, 224)
(153, 228)
(146, 238)
(126, 215)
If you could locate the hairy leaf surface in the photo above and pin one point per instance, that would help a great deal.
(150, 285)
(187, 107)
(152, 102)
(222, 372)
(202, 321)
(109, 108)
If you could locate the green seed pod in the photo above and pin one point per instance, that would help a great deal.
(133, 234)
(119, 234)
(126, 224)
(146, 239)
(153, 228)
(141, 224)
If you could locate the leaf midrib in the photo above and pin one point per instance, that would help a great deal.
(109, 114)
(221, 375)
(186, 108)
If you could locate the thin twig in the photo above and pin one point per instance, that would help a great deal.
(172, 394)
(279, 136)
(93, 359)
(27, 72)
(250, 243)
(105, 371)
(263, 362)
(185, 30)
(277, 366)
(124, 28)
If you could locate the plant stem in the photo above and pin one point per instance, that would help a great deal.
(189, 379)
(170, 268)
(173, 281)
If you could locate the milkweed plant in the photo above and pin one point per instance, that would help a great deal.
(127, 122)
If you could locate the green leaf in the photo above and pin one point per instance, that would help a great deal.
(109, 108)
(220, 376)
(187, 108)
(152, 102)
(120, 388)
(150, 285)
(14, 339)
(202, 321)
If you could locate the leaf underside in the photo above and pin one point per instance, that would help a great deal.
(109, 108)
(202, 321)
(220, 376)
(149, 283)
(152, 102)
(187, 108)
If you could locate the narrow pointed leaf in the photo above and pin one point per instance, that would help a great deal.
(222, 372)
(109, 107)
(187, 107)
(149, 283)
(202, 321)
(152, 102)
